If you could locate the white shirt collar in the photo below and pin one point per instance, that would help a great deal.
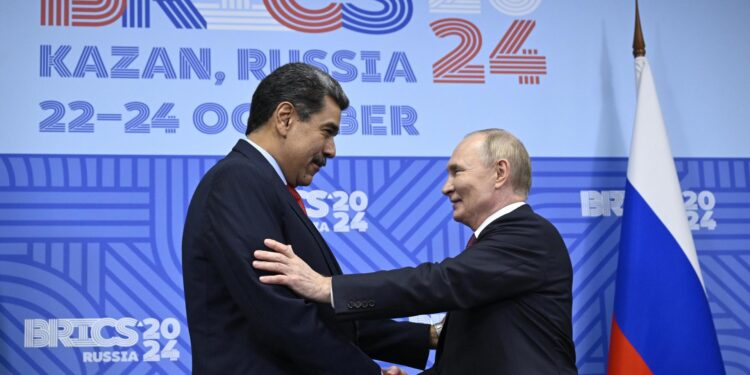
(270, 159)
(503, 211)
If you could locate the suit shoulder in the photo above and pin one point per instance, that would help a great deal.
(524, 225)
(237, 176)
(236, 168)
(546, 224)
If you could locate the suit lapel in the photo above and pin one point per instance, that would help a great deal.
(255, 156)
(333, 266)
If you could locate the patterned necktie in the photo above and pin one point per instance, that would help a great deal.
(296, 197)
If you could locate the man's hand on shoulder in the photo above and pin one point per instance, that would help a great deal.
(292, 271)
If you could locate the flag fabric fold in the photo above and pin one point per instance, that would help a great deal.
(662, 323)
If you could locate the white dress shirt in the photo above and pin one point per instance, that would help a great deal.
(503, 211)
(268, 157)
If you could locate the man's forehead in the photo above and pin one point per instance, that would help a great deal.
(330, 113)
(467, 146)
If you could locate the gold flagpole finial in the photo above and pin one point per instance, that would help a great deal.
(639, 45)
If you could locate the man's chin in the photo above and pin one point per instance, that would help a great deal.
(305, 180)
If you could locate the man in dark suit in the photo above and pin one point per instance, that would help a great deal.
(508, 293)
(237, 324)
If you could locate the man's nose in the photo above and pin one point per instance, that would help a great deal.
(447, 186)
(329, 150)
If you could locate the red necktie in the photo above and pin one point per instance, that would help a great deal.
(471, 241)
(296, 197)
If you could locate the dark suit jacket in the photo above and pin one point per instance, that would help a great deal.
(508, 296)
(241, 326)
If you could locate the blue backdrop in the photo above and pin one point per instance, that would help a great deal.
(113, 112)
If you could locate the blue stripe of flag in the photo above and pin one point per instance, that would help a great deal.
(660, 304)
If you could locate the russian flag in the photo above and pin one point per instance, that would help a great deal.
(662, 323)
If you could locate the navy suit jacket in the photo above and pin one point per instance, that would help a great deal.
(509, 300)
(239, 325)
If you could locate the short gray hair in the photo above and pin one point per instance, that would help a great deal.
(501, 144)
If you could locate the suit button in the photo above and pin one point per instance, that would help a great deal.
(358, 304)
(349, 306)
(371, 303)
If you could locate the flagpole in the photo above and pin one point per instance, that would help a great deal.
(639, 44)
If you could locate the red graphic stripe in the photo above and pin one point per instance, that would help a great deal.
(528, 80)
(503, 41)
(518, 63)
(507, 38)
(522, 28)
(623, 358)
(51, 12)
(471, 41)
(512, 64)
(517, 35)
(471, 70)
(523, 68)
(518, 66)
(454, 67)
(464, 76)
(458, 81)
(526, 29)
(43, 13)
(466, 52)
(447, 27)
(86, 6)
(290, 14)
(520, 72)
(514, 31)
(518, 57)
(294, 9)
(106, 13)
(445, 63)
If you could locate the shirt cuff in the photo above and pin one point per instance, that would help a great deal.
(332, 304)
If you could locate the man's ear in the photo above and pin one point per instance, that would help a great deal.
(502, 173)
(283, 117)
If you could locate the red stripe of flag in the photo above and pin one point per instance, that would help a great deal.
(623, 358)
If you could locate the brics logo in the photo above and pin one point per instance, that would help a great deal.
(131, 13)
(383, 17)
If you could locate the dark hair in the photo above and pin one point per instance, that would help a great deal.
(303, 85)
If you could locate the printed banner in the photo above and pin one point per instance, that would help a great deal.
(114, 110)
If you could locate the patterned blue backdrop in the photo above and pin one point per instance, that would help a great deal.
(105, 101)
(99, 236)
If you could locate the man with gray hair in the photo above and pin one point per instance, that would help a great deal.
(508, 294)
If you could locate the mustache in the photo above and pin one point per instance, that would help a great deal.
(320, 160)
